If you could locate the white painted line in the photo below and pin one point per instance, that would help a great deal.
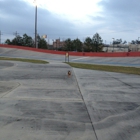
(80, 58)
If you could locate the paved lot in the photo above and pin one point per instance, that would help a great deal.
(118, 61)
(40, 102)
(113, 102)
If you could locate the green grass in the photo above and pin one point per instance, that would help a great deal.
(118, 69)
(24, 60)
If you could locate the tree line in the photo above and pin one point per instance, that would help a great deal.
(119, 41)
(93, 44)
(28, 41)
(135, 42)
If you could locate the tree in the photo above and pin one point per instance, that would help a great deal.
(97, 42)
(137, 42)
(117, 41)
(124, 42)
(88, 44)
(77, 45)
(42, 43)
(27, 41)
(8, 42)
(133, 42)
(17, 40)
(68, 44)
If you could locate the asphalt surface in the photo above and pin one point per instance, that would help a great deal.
(41, 102)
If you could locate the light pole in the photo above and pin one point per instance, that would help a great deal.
(138, 44)
(113, 44)
(36, 44)
(105, 46)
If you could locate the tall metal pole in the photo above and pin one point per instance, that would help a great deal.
(138, 44)
(113, 44)
(36, 44)
(0, 37)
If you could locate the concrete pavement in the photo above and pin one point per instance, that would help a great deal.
(113, 102)
(119, 61)
(40, 102)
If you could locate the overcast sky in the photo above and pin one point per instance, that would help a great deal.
(71, 19)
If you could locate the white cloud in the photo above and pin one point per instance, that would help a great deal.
(72, 18)
(71, 9)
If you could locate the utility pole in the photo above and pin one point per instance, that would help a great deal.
(16, 34)
(48, 41)
(113, 44)
(36, 44)
(0, 37)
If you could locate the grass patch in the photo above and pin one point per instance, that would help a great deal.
(24, 60)
(118, 69)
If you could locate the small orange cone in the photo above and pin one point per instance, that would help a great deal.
(69, 73)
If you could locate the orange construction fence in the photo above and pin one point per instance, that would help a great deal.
(91, 54)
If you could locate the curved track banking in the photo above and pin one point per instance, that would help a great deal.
(120, 61)
(41, 102)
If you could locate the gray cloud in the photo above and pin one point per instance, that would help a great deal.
(119, 6)
(118, 19)
(20, 16)
(121, 13)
